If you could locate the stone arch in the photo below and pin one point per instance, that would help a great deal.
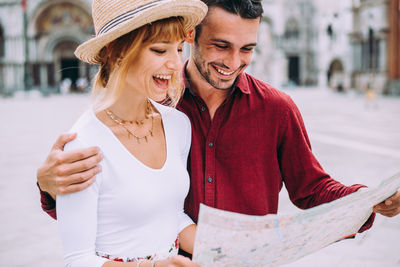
(66, 64)
(335, 74)
(59, 53)
(58, 27)
(43, 10)
(55, 39)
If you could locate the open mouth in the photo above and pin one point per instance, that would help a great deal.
(162, 81)
(224, 73)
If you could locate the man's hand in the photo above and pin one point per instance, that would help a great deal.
(68, 172)
(390, 207)
(180, 261)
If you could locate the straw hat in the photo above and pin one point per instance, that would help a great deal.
(114, 18)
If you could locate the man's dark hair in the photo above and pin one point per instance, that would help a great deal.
(247, 9)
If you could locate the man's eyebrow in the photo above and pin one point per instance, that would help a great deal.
(251, 44)
(229, 43)
(220, 41)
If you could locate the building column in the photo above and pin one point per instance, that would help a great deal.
(82, 69)
(43, 77)
(393, 54)
(358, 56)
(13, 74)
(57, 74)
(382, 64)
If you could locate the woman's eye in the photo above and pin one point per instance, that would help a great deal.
(158, 51)
(180, 50)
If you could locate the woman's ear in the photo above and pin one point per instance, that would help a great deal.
(190, 36)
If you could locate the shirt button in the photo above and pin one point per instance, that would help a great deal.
(210, 179)
(203, 108)
(211, 144)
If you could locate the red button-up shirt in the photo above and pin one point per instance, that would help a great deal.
(255, 143)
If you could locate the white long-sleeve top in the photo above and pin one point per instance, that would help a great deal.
(131, 210)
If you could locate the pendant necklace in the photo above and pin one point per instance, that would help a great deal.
(138, 123)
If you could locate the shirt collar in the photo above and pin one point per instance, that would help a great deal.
(241, 82)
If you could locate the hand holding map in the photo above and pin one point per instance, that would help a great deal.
(230, 239)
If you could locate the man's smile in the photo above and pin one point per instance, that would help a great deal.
(225, 74)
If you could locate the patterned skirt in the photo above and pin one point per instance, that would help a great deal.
(173, 251)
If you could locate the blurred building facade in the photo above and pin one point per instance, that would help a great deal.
(375, 43)
(287, 44)
(337, 43)
(335, 59)
(37, 41)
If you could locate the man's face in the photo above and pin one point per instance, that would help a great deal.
(224, 47)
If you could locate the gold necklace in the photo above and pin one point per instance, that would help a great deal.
(124, 123)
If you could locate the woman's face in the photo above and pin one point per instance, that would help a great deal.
(152, 71)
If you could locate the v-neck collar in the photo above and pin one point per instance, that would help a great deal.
(117, 143)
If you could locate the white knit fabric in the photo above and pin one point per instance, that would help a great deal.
(131, 210)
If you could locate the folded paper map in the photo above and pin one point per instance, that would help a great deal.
(231, 239)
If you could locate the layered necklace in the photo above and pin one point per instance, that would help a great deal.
(128, 125)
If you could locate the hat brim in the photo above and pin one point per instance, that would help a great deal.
(192, 11)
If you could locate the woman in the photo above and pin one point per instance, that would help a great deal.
(133, 214)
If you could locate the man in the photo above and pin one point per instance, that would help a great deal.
(248, 138)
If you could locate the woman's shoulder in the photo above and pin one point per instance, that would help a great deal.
(85, 123)
(86, 127)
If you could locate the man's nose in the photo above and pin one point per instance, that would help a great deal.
(234, 61)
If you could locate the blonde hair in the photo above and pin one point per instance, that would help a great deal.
(115, 58)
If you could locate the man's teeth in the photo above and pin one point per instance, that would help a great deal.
(224, 72)
(163, 77)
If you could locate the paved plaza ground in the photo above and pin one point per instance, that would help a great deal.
(354, 143)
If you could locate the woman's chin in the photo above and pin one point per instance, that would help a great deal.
(158, 97)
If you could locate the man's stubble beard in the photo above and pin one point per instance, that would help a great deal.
(200, 64)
